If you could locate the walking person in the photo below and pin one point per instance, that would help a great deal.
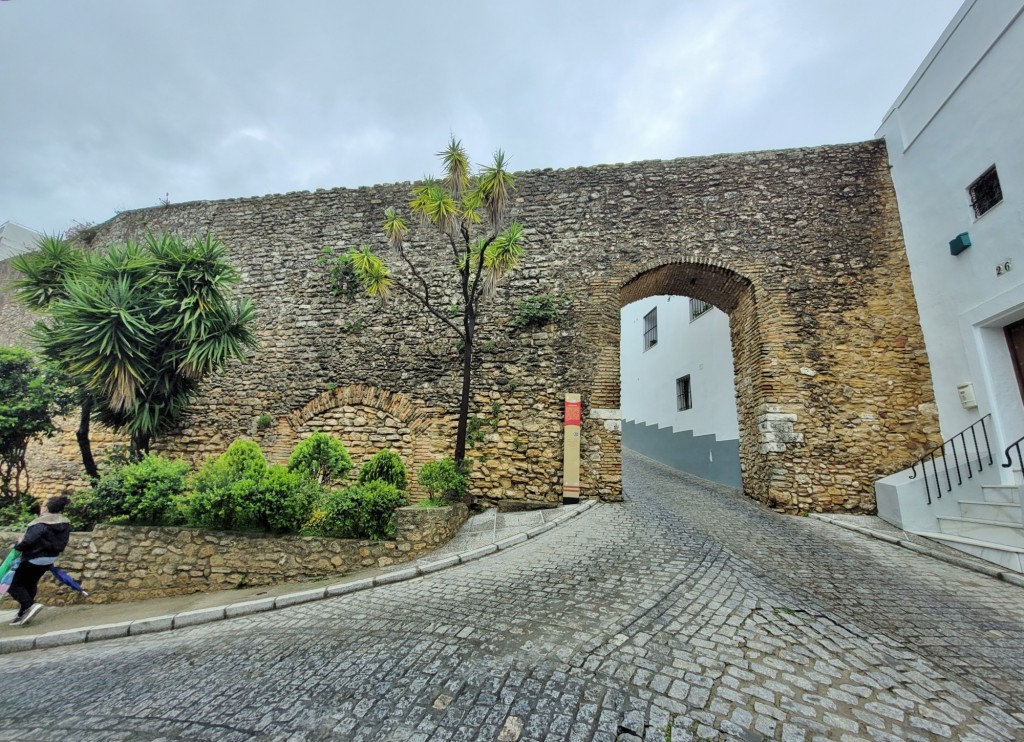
(44, 540)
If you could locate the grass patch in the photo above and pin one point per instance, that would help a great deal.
(433, 502)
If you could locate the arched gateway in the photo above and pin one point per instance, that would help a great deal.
(802, 248)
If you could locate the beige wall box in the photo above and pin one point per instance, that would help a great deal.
(966, 392)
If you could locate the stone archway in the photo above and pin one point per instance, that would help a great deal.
(829, 393)
(768, 437)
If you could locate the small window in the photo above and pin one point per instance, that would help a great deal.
(651, 329)
(684, 400)
(985, 192)
(697, 308)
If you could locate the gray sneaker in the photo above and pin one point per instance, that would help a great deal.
(30, 614)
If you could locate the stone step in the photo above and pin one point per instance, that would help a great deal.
(1000, 512)
(1007, 534)
(1008, 493)
(1010, 557)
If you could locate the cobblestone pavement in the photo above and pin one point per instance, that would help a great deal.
(684, 613)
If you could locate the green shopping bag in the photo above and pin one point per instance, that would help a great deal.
(8, 563)
(7, 571)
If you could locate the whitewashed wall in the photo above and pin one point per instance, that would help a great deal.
(961, 113)
(700, 349)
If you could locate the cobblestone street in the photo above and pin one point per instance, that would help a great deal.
(682, 614)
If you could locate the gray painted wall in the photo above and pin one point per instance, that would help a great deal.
(701, 455)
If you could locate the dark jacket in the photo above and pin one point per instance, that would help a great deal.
(46, 536)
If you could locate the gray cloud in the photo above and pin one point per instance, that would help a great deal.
(112, 104)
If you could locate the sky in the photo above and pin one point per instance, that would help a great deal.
(111, 105)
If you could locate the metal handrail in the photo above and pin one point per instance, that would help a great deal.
(1016, 447)
(930, 457)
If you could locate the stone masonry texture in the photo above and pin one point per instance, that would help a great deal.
(123, 563)
(801, 247)
(684, 613)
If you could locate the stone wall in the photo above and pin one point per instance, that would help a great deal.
(801, 247)
(121, 563)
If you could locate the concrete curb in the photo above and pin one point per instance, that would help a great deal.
(186, 619)
(1013, 578)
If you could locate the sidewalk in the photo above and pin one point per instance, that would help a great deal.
(875, 527)
(482, 534)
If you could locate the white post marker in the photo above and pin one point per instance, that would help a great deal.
(571, 453)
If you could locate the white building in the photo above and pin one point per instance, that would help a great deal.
(956, 146)
(16, 239)
(678, 393)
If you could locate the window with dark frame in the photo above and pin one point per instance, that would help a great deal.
(651, 329)
(684, 400)
(697, 308)
(985, 192)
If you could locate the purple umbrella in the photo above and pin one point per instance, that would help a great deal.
(67, 579)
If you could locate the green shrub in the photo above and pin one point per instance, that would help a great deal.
(239, 491)
(264, 422)
(16, 511)
(379, 501)
(146, 492)
(283, 500)
(433, 502)
(105, 501)
(361, 511)
(31, 394)
(80, 511)
(385, 466)
(224, 489)
(444, 479)
(541, 310)
(321, 458)
(152, 488)
(243, 460)
(333, 515)
(216, 507)
(343, 282)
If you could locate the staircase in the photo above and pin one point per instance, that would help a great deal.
(962, 500)
(990, 527)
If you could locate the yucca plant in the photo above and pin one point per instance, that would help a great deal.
(136, 328)
(470, 213)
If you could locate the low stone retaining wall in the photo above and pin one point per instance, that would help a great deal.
(122, 563)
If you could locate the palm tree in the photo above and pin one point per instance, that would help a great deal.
(458, 207)
(45, 278)
(137, 328)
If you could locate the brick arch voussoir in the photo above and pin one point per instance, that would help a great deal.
(416, 417)
(707, 278)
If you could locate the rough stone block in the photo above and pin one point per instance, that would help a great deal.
(439, 565)
(1014, 578)
(201, 616)
(533, 532)
(349, 587)
(61, 638)
(108, 631)
(17, 644)
(477, 553)
(397, 576)
(306, 596)
(511, 541)
(151, 625)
